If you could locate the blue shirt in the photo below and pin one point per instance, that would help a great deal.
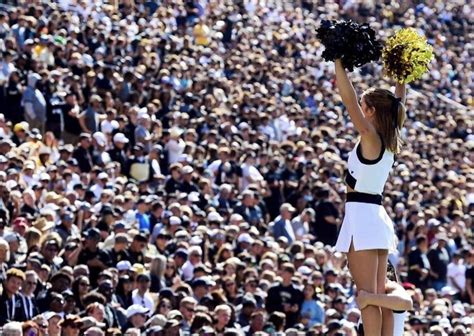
(143, 221)
(312, 310)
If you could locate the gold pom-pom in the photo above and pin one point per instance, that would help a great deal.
(406, 55)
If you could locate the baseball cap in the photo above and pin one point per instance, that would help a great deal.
(124, 265)
(136, 309)
(121, 138)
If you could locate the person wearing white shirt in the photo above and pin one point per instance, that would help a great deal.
(456, 273)
(175, 146)
(97, 188)
(195, 255)
(141, 296)
(250, 174)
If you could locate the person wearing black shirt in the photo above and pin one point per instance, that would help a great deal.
(470, 277)
(326, 219)
(275, 184)
(119, 251)
(82, 153)
(91, 256)
(60, 282)
(136, 249)
(12, 305)
(418, 264)
(55, 110)
(72, 126)
(188, 185)
(12, 109)
(173, 183)
(285, 297)
(289, 176)
(439, 260)
(117, 153)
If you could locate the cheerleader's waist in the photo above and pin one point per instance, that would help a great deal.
(363, 198)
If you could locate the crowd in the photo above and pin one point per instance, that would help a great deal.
(177, 167)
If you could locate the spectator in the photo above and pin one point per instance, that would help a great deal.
(284, 297)
(34, 103)
(13, 306)
(439, 259)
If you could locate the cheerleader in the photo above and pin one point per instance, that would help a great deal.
(367, 233)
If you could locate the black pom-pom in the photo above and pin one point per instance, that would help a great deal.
(354, 44)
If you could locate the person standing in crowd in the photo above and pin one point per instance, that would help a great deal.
(438, 257)
(34, 103)
(419, 264)
(326, 223)
(456, 274)
(285, 297)
(282, 226)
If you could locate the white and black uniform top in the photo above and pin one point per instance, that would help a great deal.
(366, 223)
(368, 176)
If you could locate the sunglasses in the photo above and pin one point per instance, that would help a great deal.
(83, 284)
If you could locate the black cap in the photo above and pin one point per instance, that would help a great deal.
(138, 147)
(199, 282)
(92, 233)
(67, 293)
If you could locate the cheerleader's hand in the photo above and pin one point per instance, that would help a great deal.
(362, 299)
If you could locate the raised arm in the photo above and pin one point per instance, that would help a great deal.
(401, 91)
(349, 98)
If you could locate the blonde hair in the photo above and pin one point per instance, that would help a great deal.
(158, 266)
(390, 114)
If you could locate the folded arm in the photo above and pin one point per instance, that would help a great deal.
(396, 298)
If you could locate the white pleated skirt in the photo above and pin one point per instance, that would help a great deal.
(368, 226)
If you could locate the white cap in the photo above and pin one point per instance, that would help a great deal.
(44, 177)
(287, 207)
(120, 137)
(50, 314)
(305, 270)
(193, 196)
(124, 265)
(10, 184)
(103, 176)
(175, 220)
(195, 240)
(244, 125)
(187, 170)
(136, 309)
(100, 138)
(245, 238)
(214, 217)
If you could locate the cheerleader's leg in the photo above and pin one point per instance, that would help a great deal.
(363, 266)
(387, 314)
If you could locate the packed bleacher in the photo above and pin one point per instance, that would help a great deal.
(177, 168)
